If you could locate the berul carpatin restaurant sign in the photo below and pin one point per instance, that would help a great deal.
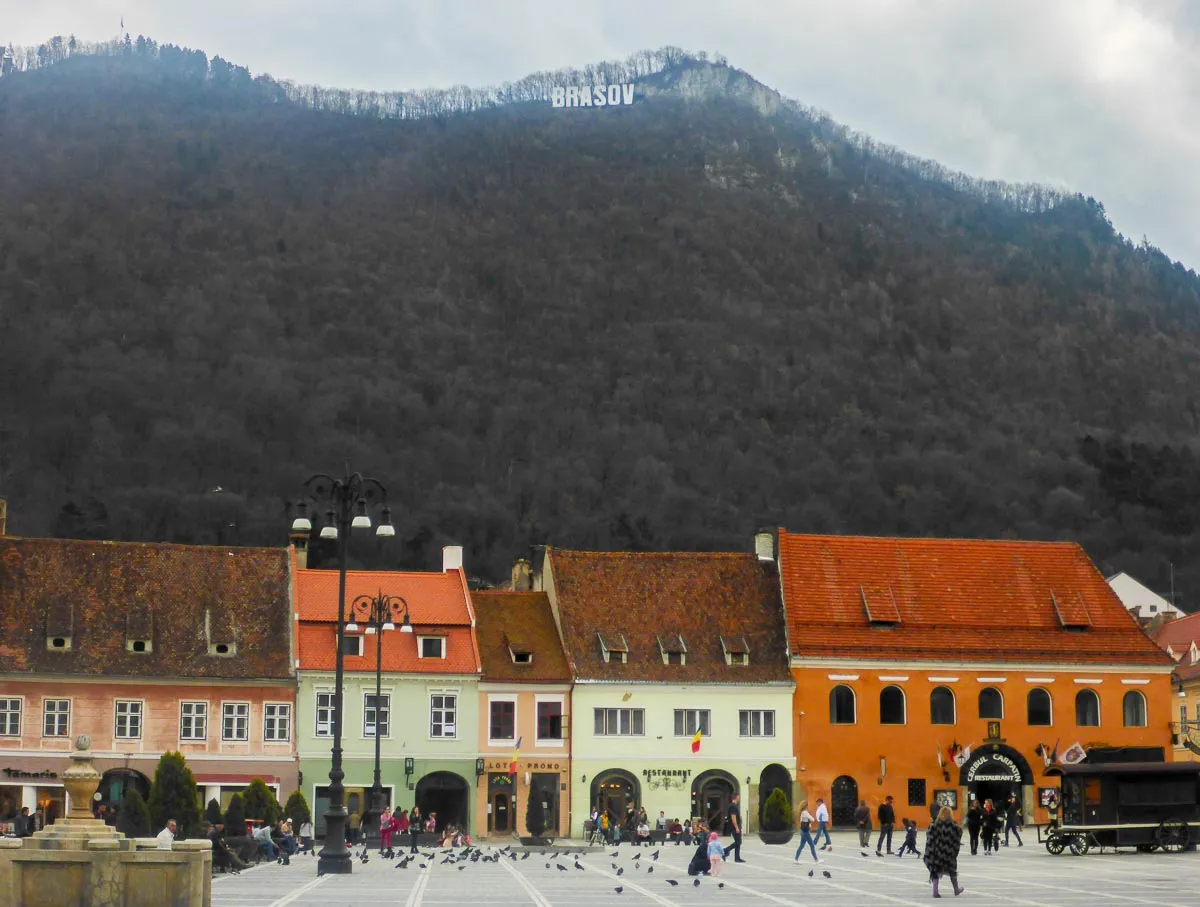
(592, 95)
(994, 767)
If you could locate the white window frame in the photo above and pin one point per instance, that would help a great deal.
(283, 714)
(129, 713)
(203, 717)
(502, 741)
(46, 712)
(762, 722)
(701, 716)
(386, 696)
(1145, 709)
(1099, 710)
(421, 647)
(617, 733)
(328, 709)
(560, 741)
(225, 706)
(456, 694)
(8, 710)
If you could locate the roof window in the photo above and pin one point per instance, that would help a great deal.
(880, 605)
(613, 649)
(736, 649)
(673, 649)
(1072, 613)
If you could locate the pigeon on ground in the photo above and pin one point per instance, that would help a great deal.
(695, 883)
(826, 873)
(650, 870)
(615, 853)
(560, 867)
(654, 856)
(618, 889)
(637, 854)
(621, 871)
(525, 856)
(810, 873)
(720, 884)
(547, 865)
(461, 868)
(577, 866)
(423, 865)
(672, 882)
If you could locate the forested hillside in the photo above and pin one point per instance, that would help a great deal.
(660, 326)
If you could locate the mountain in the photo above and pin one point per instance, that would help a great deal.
(654, 326)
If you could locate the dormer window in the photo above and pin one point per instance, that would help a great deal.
(431, 646)
(520, 656)
(673, 649)
(736, 649)
(220, 645)
(140, 646)
(613, 649)
(58, 643)
(222, 649)
(1193, 653)
(880, 607)
(60, 627)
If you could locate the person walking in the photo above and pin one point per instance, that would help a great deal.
(735, 824)
(990, 828)
(716, 854)
(306, 836)
(1012, 820)
(806, 837)
(862, 819)
(414, 827)
(974, 820)
(941, 851)
(823, 824)
(887, 821)
(910, 838)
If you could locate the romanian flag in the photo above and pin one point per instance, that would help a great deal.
(696, 743)
(512, 766)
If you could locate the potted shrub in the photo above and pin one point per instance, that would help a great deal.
(535, 821)
(776, 819)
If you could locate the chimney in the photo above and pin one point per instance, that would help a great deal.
(3, 516)
(764, 546)
(299, 541)
(522, 576)
(452, 558)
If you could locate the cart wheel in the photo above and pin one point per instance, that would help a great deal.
(1079, 845)
(1172, 836)
(1056, 844)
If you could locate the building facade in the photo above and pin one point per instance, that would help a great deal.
(1141, 601)
(145, 648)
(662, 646)
(937, 670)
(1180, 639)
(524, 709)
(427, 713)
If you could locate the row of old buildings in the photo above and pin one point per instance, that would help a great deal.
(848, 668)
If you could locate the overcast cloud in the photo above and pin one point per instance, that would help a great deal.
(1096, 96)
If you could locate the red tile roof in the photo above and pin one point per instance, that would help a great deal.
(1179, 634)
(646, 597)
(956, 599)
(522, 622)
(104, 594)
(438, 605)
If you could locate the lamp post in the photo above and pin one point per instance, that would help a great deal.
(345, 502)
(378, 615)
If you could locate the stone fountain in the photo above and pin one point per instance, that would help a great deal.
(80, 862)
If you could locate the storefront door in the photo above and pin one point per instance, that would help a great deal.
(500, 819)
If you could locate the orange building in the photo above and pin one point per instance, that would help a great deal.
(524, 708)
(934, 670)
(145, 648)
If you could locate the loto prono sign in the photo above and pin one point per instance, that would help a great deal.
(592, 96)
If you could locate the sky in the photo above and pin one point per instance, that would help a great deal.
(1094, 96)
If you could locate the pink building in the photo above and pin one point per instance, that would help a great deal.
(145, 648)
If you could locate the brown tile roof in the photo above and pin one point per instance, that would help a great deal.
(645, 597)
(103, 594)
(521, 621)
(438, 605)
(954, 599)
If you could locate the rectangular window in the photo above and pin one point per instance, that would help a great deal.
(10, 717)
(324, 715)
(756, 723)
(193, 720)
(235, 721)
(621, 722)
(502, 724)
(352, 645)
(549, 721)
(1183, 714)
(377, 713)
(277, 722)
(432, 647)
(687, 721)
(56, 717)
(916, 791)
(129, 720)
(443, 710)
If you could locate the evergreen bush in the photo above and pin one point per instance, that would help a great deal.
(777, 812)
(212, 813)
(535, 816)
(261, 803)
(173, 795)
(235, 817)
(133, 817)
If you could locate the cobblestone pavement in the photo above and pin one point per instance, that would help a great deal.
(1026, 876)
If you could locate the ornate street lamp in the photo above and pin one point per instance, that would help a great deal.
(377, 614)
(345, 503)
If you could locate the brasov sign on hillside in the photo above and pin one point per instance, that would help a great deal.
(592, 96)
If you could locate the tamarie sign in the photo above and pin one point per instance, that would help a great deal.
(17, 773)
(592, 96)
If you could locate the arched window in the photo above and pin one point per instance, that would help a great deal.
(891, 705)
(941, 706)
(991, 703)
(1134, 707)
(841, 705)
(1087, 708)
(1039, 712)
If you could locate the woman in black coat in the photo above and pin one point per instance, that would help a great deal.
(974, 821)
(700, 862)
(941, 850)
